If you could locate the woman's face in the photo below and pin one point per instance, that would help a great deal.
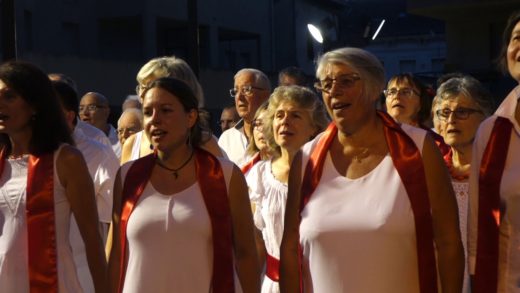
(15, 112)
(258, 131)
(513, 53)
(345, 101)
(292, 126)
(403, 102)
(459, 120)
(166, 124)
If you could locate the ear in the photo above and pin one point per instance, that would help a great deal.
(192, 116)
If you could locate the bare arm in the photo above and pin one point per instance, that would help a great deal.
(74, 176)
(243, 234)
(289, 263)
(113, 243)
(450, 253)
(126, 149)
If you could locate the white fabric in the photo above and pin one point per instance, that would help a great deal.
(509, 243)
(270, 197)
(358, 235)
(102, 166)
(114, 141)
(170, 246)
(136, 146)
(461, 189)
(14, 275)
(93, 133)
(234, 143)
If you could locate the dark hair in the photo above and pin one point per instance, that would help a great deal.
(295, 72)
(189, 102)
(425, 96)
(506, 37)
(49, 128)
(67, 96)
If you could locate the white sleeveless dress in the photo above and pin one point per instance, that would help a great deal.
(358, 235)
(14, 275)
(170, 246)
(270, 198)
(461, 189)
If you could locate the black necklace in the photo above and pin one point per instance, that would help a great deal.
(175, 171)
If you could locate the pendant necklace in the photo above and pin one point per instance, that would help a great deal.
(175, 171)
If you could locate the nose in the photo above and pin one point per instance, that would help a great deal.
(451, 118)
(335, 89)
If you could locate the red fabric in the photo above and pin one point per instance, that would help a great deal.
(256, 158)
(213, 187)
(408, 162)
(272, 270)
(490, 177)
(439, 141)
(41, 226)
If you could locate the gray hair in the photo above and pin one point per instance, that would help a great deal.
(171, 66)
(260, 78)
(365, 63)
(468, 87)
(131, 111)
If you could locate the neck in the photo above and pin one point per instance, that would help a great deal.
(461, 156)
(286, 156)
(174, 158)
(106, 129)
(247, 128)
(20, 144)
(363, 136)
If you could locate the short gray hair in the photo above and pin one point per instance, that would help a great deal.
(365, 63)
(469, 87)
(131, 111)
(260, 78)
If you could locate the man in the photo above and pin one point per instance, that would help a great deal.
(102, 166)
(130, 122)
(251, 89)
(228, 118)
(94, 109)
(292, 76)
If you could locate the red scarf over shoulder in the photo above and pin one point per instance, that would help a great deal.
(490, 177)
(213, 186)
(41, 225)
(408, 162)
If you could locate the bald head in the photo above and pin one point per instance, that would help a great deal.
(94, 109)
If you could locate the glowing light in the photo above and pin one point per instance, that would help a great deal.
(378, 29)
(315, 33)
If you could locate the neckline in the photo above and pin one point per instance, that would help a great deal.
(337, 174)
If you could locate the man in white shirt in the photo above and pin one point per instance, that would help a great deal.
(251, 89)
(102, 166)
(94, 109)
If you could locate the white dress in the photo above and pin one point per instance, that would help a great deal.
(14, 275)
(270, 197)
(170, 246)
(358, 235)
(461, 189)
(509, 234)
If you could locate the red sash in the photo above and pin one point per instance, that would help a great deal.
(490, 177)
(272, 270)
(256, 158)
(439, 141)
(41, 226)
(408, 162)
(213, 186)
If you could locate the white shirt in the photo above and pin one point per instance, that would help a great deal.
(509, 239)
(234, 143)
(93, 133)
(114, 141)
(102, 166)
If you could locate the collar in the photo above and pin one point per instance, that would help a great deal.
(508, 107)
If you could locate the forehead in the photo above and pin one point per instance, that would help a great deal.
(159, 95)
(403, 82)
(245, 78)
(516, 28)
(289, 106)
(227, 113)
(89, 99)
(336, 69)
(129, 119)
(459, 100)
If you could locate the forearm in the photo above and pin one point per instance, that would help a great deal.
(451, 267)
(248, 272)
(97, 265)
(289, 269)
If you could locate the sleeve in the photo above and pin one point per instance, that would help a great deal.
(256, 192)
(104, 184)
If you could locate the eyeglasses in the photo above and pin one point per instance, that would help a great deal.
(342, 82)
(258, 124)
(459, 113)
(404, 92)
(129, 130)
(246, 90)
(90, 108)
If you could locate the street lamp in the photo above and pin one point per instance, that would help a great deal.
(315, 33)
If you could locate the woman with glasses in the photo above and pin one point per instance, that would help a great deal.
(182, 221)
(408, 101)
(44, 181)
(138, 145)
(294, 116)
(494, 223)
(463, 103)
(370, 207)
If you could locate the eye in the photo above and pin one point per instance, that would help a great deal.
(147, 112)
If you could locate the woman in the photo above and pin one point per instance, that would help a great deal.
(463, 103)
(180, 208)
(494, 237)
(294, 116)
(43, 180)
(137, 145)
(408, 101)
(369, 199)
(257, 149)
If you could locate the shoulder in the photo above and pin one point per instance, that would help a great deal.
(68, 155)
(485, 129)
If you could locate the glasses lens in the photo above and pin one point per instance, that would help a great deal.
(232, 92)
